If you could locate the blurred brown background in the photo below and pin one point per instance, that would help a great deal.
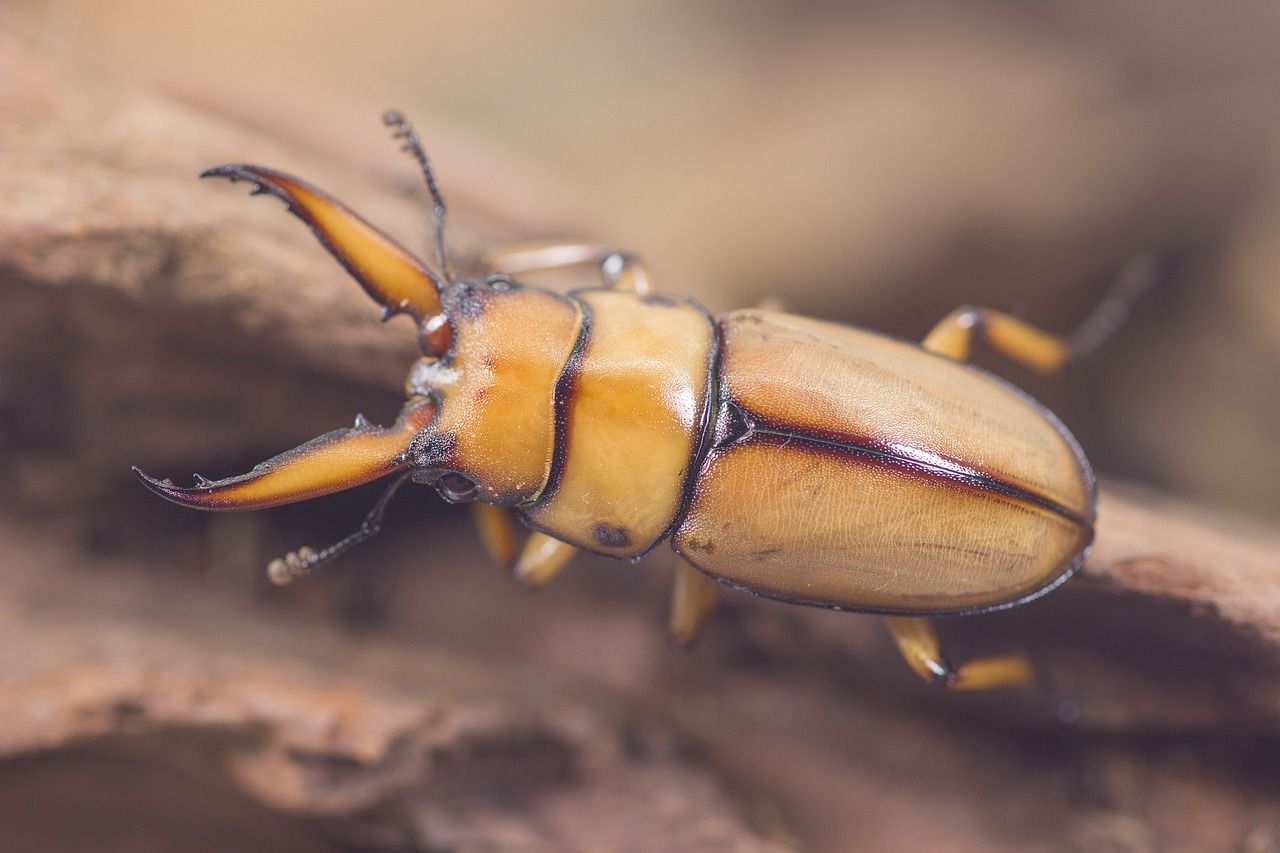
(876, 163)
(871, 162)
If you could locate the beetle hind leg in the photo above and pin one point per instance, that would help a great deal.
(918, 642)
(1019, 341)
(1037, 349)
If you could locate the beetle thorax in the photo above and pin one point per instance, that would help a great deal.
(495, 390)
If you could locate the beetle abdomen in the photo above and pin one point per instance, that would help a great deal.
(857, 471)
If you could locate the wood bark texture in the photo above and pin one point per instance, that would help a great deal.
(152, 686)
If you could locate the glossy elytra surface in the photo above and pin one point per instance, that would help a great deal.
(867, 473)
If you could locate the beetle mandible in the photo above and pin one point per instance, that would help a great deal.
(792, 458)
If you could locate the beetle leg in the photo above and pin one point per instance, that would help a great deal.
(619, 270)
(1012, 337)
(342, 459)
(542, 559)
(918, 642)
(1035, 348)
(693, 599)
(498, 532)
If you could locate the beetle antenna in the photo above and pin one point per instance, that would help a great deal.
(404, 131)
(296, 564)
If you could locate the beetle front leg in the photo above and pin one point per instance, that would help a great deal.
(1035, 348)
(918, 642)
(498, 532)
(693, 600)
(620, 270)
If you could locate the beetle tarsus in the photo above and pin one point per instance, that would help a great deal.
(918, 642)
(1135, 278)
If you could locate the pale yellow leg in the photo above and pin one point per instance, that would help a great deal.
(1040, 351)
(542, 559)
(693, 598)
(1008, 335)
(498, 532)
(618, 269)
(1036, 348)
(918, 642)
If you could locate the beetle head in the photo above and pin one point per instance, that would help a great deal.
(401, 284)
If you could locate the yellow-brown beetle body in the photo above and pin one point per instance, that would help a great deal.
(800, 460)
(797, 459)
(857, 471)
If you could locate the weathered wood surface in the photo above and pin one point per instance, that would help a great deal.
(146, 318)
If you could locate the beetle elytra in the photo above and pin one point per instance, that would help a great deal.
(796, 459)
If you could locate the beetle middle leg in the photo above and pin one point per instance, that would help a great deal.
(693, 599)
(620, 270)
(541, 559)
(1037, 349)
(918, 642)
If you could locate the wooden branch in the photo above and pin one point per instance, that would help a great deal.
(1152, 545)
(147, 318)
(376, 744)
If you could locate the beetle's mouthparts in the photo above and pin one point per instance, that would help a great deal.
(334, 462)
(387, 271)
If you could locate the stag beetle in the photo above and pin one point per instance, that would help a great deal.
(796, 459)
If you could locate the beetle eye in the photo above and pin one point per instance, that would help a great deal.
(456, 489)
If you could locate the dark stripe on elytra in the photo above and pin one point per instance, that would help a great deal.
(703, 430)
(1090, 479)
(872, 452)
(566, 389)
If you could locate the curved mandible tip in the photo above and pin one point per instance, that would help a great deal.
(388, 272)
(339, 460)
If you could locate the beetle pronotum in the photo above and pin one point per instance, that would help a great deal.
(792, 458)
